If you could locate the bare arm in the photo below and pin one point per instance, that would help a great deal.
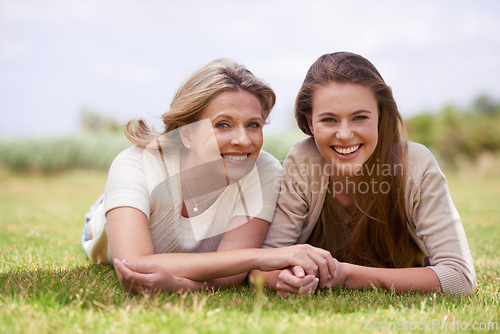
(294, 281)
(400, 279)
(288, 282)
(237, 254)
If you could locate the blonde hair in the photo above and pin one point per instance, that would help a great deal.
(220, 75)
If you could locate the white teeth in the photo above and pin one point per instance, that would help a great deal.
(235, 157)
(346, 151)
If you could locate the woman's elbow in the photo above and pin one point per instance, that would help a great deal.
(463, 285)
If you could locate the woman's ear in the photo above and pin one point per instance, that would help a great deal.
(309, 123)
(185, 134)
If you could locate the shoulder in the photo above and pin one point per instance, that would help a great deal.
(133, 152)
(303, 151)
(304, 148)
(266, 159)
(304, 160)
(267, 164)
(420, 160)
(131, 156)
(417, 150)
(423, 175)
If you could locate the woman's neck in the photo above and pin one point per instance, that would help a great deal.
(200, 185)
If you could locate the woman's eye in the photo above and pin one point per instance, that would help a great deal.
(360, 117)
(254, 125)
(328, 119)
(222, 125)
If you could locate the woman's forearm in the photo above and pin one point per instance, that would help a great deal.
(208, 266)
(401, 279)
(138, 278)
(204, 267)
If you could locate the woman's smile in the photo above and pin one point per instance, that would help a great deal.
(237, 158)
(231, 134)
(344, 123)
(346, 152)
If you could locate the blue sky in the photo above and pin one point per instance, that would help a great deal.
(126, 58)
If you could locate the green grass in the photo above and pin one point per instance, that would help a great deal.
(48, 286)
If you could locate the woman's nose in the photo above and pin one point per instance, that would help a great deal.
(344, 131)
(240, 137)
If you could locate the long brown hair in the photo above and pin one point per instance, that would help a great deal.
(379, 234)
(197, 92)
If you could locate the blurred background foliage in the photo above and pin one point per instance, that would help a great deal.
(462, 138)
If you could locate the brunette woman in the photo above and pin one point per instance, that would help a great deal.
(357, 188)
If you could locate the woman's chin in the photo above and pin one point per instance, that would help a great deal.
(237, 171)
(347, 170)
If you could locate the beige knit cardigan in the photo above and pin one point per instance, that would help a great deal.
(434, 222)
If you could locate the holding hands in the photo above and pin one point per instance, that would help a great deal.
(314, 261)
(295, 281)
(302, 267)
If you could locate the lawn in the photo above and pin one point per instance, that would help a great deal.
(48, 286)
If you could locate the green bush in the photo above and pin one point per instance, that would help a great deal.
(279, 144)
(86, 150)
(458, 135)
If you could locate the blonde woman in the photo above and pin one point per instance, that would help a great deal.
(188, 209)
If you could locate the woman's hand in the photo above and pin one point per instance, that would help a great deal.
(313, 261)
(149, 278)
(338, 279)
(294, 281)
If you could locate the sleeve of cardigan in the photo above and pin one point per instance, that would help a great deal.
(291, 211)
(438, 225)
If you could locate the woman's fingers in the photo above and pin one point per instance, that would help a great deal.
(286, 290)
(327, 266)
(298, 271)
(288, 283)
(325, 263)
(332, 264)
(138, 278)
(309, 288)
(322, 264)
(133, 281)
(124, 276)
(315, 261)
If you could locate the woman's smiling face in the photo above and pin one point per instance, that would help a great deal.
(231, 133)
(344, 123)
